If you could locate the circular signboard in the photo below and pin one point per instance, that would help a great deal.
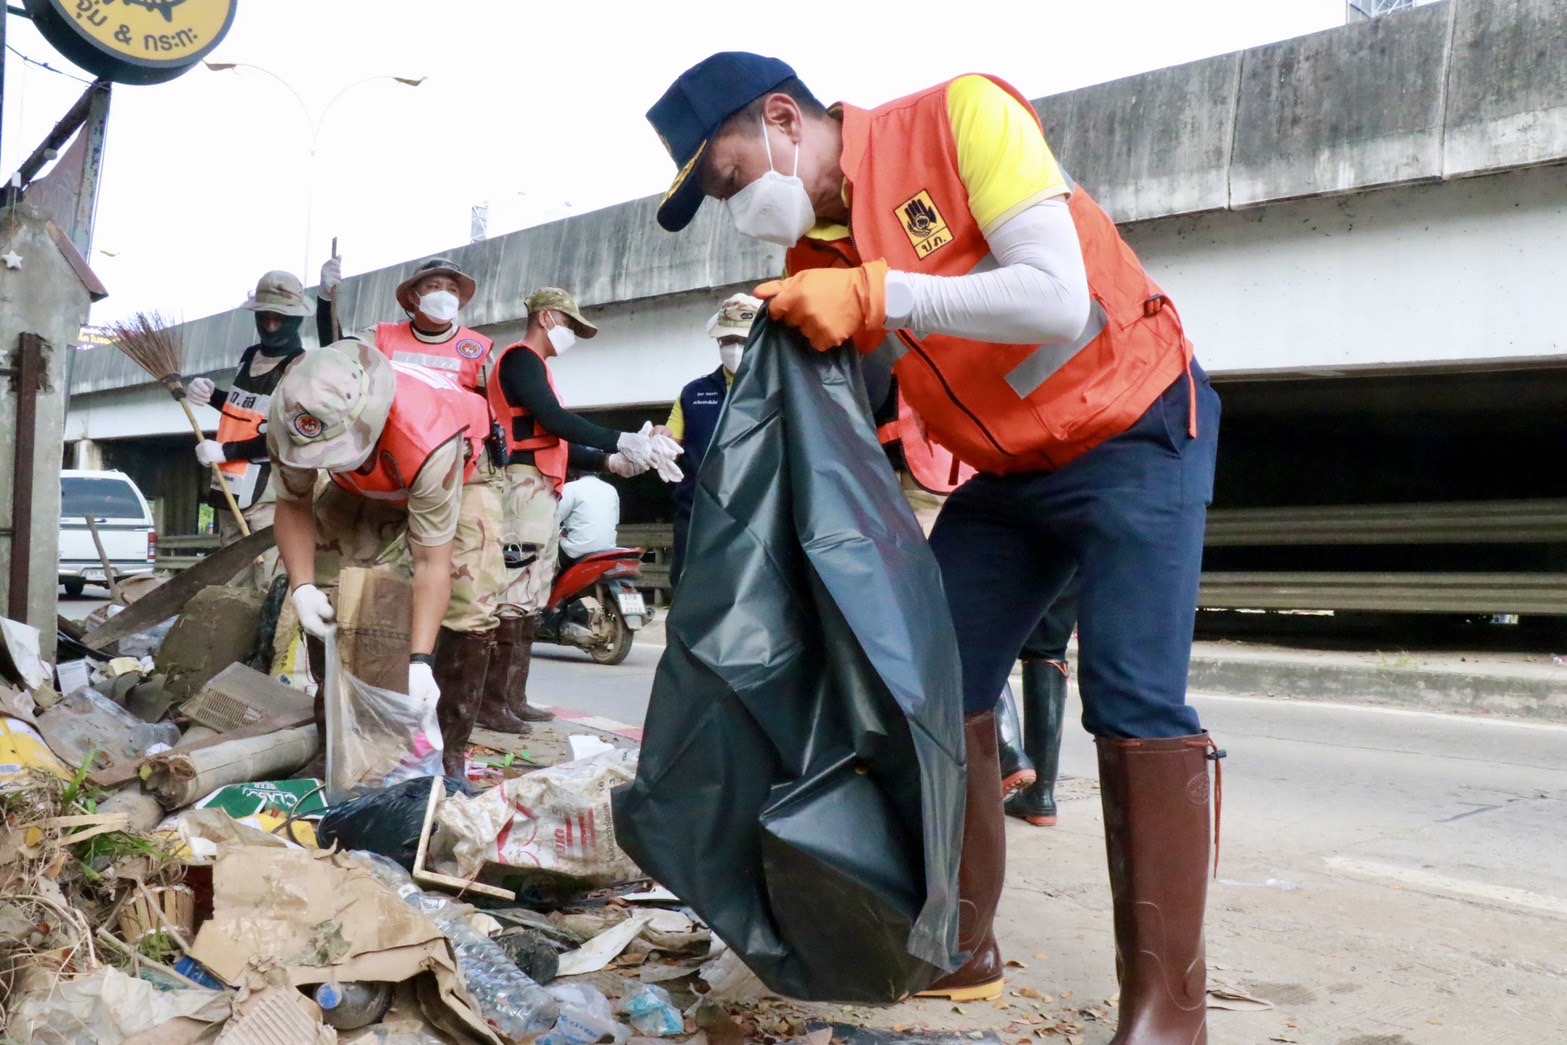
(133, 41)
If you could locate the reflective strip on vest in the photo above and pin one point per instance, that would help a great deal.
(452, 366)
(1027, 376)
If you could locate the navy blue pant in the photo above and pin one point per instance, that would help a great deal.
(1127, 518)
(1050, 636)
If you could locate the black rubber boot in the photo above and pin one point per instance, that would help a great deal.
(1044, 715)
(1017, 771)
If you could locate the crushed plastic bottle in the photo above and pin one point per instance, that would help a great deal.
(652, 1012)
(349, 1006)
(507, 998)
(585, 1017)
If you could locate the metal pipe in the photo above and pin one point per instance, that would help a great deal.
(29, 372)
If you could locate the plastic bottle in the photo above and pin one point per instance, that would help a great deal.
(348, 1006)
(507, 998)
(148, 735)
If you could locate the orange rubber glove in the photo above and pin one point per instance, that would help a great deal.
(830, 306)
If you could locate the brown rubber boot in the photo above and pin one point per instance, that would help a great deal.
(521, 659)
(502, 682)
(461, 661)
(1155, 795)
(981, 869)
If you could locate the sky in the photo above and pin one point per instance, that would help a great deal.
(215, 177)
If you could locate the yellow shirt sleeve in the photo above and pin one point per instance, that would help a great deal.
(677, 423)
(1003, 158)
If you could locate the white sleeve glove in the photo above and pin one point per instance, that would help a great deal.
(421, 683)
(210, 451)
(637, 446)
(621, 465)
(315, 611)
(200, 390)
(331, 276)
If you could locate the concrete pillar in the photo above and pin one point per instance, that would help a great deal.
(88, 456)
(45, 290)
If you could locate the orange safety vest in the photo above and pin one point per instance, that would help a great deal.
(428, 410)
(242, 418)
(932, 465)
(549, 451)
(461, 355)
(1000, 408)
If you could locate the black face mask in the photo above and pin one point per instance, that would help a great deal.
(284, 338)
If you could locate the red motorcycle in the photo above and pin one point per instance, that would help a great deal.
(595, 605)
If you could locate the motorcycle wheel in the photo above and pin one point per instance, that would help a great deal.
(618, 645)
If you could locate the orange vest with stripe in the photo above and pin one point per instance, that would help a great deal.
(1000, 408)
(932, 465)
(549, 451)
(242, 418)
(462, 355)
(428, 411)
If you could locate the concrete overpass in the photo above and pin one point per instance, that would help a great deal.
(1386, 201)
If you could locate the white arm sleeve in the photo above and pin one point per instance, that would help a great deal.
(1037, 294)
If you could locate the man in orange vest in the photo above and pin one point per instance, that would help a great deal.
(240, 449)
(940, 230)
(543, 439)
(432, 295)
(403, 447)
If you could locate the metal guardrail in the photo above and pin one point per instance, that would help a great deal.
(1544, 593)
(1478, 522)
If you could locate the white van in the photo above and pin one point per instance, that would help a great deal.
(124, 524)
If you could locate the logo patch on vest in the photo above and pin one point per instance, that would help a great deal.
(468, 348)
(924, 225)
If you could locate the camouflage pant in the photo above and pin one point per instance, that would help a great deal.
(531, 514)
(265, 566)
(356, 531)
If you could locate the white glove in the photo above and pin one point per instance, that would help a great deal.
(664, 445)
(620, 465)
(331, 276)
(210, 451)
(200, 390)
(668, 470)
(315, 611)
(421, 683)
(637, 446)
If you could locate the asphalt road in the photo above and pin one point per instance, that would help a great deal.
(1387, 877)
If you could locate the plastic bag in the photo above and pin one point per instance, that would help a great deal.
(802, 778)
(585, 1017)
(652, 1012)
(387, 822)
(374, 737)
(508, 1000)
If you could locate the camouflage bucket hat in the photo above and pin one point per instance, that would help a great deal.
(330, 408)
(466, 287)
(734, 317)
(279, 292)
(557, 300)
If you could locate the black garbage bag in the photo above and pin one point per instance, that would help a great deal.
(387, 821)
(801, 778)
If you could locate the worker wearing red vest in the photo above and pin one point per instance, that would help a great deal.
(240, 447)
(940, 230)
(542, 439)
(403, 447)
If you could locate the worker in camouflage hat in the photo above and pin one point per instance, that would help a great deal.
(403, 448)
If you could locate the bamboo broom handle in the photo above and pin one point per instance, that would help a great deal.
(217, 473)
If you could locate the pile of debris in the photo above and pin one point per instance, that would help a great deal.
(184, 860)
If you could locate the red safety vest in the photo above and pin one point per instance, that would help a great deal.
(462, 355)
(549, 451)
(428, 410)
(241, 419)
(1000, 408)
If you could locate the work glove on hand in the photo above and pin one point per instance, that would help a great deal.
(315, 611)
(620, 464)
(638, 446)
(200, 390)
(830, 306)
(668, 470)
(210, 451)
(331, 276)
(664, 444)
(421, 683)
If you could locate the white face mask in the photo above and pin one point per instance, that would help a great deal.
(774, 208)
(730, 356)
(561, 339)
(439, 305)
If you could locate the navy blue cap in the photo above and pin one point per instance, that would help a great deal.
(693, 109)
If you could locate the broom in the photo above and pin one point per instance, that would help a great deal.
(151, 343)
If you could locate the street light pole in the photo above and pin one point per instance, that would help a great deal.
(314, 125)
